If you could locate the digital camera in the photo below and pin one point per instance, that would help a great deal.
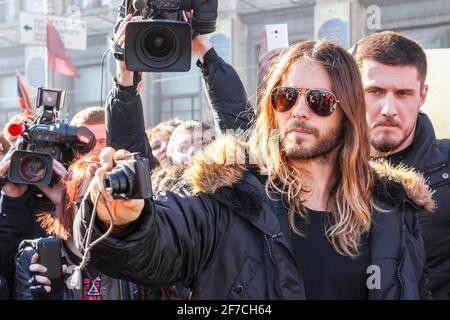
(130, 178)
(46, 139)
(162, 40)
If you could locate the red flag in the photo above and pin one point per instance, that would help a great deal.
(24, 98)
(58, 59)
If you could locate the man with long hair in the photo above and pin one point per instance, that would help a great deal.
(322, 223)
(394, 69)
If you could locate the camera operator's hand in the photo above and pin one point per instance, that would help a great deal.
(124, 76)
(200, 46)
(10, 189)
(123, 211)
(40, 286)
(56, 193)
(265, 59)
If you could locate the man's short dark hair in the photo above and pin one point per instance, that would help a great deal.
(391, 48)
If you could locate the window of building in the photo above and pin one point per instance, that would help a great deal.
(7, 10)
(9, 105)
(179, 95)
(87, 86)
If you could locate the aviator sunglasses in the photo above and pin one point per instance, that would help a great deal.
(321, 101)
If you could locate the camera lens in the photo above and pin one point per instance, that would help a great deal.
(159, 43)
(120, 182)
(159, 46)
(32, 168)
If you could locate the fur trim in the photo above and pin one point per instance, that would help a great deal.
(413, 183)
(223, 164)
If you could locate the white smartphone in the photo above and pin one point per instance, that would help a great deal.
(277, 36)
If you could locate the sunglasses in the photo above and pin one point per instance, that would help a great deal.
(321, 101)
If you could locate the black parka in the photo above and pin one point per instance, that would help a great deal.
(431, 157)
(225, 241)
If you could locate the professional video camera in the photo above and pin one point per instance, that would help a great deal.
(47, 138)
(130, 178)
(161, 40)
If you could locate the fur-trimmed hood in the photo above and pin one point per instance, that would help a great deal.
(223, 164)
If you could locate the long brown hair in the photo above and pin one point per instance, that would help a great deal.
(350, 197)
(80, 173)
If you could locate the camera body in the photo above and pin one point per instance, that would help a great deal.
(46, 139)
(162, 40)
(130, 178)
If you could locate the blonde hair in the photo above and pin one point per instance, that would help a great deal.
(89, 116)
(350, 196)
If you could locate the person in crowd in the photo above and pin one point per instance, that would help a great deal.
(394, 71)
(19, 206)
(94, 119)
(318, 223)
(32, 285)
(187, 139)
(159, 137)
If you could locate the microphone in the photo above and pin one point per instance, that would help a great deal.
(139, 5)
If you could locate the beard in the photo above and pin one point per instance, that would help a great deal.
(295, 148)
(384, 141)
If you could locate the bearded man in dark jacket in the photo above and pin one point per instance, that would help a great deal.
(394, 70)
(322, 223)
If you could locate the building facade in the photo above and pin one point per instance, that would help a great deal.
(237, 39)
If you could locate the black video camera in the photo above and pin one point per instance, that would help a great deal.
(130, 178)
(162, 40)
(46, 139)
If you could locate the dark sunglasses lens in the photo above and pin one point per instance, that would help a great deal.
(321, 102)
(284, 98)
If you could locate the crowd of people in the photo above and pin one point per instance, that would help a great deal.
(340, 194)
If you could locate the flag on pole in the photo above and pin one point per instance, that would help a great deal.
(24, 98)
(58, 59)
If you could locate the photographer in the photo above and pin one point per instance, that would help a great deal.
(20, 206)
(124, 115)
(31, 284)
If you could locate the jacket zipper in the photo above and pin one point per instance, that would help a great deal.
(269, 252)
(402, 252)
(442, 166)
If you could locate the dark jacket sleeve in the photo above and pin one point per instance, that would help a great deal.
(226, 94)
(172, 241)
(17, 222)
(125, 126)
(23, 274)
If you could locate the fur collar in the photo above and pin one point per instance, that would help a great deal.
(222, 165)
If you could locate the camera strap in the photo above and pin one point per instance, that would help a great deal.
(116, 50)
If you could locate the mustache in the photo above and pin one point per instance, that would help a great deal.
(301, 125)
(387, 121)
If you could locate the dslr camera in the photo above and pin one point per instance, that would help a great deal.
(130, 178)
(161, 41)
(47, 138)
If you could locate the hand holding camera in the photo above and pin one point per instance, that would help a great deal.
(45, 140)
(121, 193)
(15, 190)
(161, 40)
(266, 57)
(124, 76)
(10, 189)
